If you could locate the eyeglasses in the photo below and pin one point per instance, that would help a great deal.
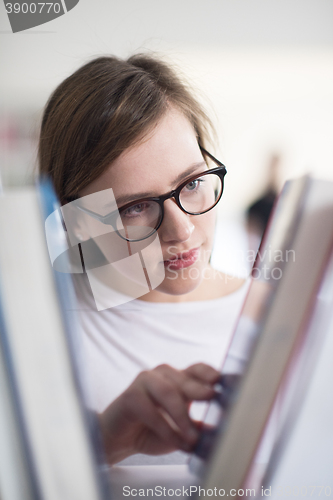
(139, 219)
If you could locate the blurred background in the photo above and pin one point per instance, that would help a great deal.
(263, 68)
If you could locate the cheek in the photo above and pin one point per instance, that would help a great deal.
(205, 225)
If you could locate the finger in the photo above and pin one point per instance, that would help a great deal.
(203, 372)
(140, 403)
(195, 390)
(169, 396)
(191, 387)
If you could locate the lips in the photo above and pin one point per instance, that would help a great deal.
(183, 260)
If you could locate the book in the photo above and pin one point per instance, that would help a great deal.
(301, 458)
(272, 337)
(50, 444)
(15, 474)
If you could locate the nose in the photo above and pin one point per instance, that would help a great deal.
(177, 225)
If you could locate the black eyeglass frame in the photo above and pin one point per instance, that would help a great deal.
(111, 218)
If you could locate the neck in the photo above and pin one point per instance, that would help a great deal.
(215, 285)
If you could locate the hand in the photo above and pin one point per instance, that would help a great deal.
(152, 415)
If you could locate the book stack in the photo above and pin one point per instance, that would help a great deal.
(47, 448)
(276, 344)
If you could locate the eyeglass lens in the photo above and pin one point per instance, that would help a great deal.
(140, 220)
(200, 194)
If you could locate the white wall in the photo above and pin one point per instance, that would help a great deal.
(265, 66)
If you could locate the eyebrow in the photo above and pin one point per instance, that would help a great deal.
(123, 200)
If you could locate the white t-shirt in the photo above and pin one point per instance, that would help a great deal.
(122, 341)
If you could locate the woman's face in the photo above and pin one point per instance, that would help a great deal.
(160, 163)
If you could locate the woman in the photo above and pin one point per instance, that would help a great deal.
(134, 128)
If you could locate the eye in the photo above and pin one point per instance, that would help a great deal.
(136, 210)
(193, 185)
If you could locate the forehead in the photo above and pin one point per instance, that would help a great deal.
(153, 164)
